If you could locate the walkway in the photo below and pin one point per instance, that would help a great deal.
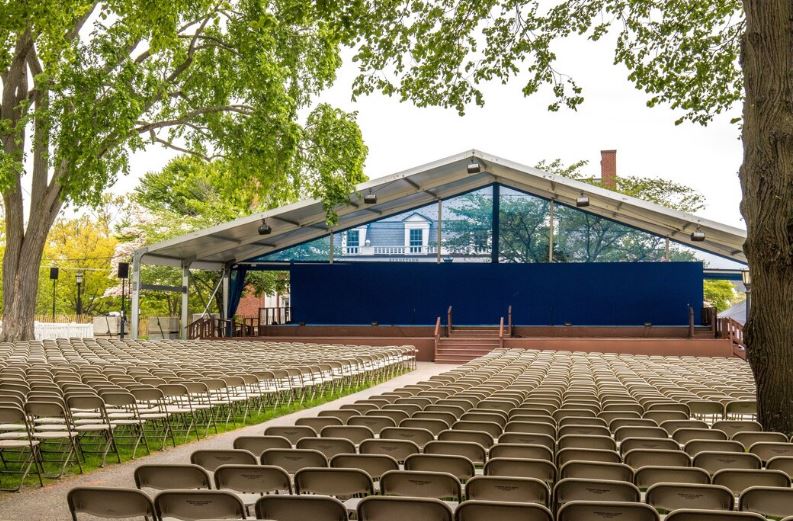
(49, 503)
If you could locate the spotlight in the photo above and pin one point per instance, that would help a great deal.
(264, 228)
(370, 198)
(582, 201)
(474, 167)
(698, 236)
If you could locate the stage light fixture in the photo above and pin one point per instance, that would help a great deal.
(264, 228)
(698, 235)
(474, 167)
(370, 198)
(582, 201)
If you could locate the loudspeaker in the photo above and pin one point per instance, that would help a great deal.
(123, 270)
(53, 273)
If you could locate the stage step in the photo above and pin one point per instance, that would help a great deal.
(459, 349)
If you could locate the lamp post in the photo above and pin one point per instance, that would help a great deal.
(746, 278)
(79, 279)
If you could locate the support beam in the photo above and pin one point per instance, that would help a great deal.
(225, 292)
(330, 255)
(185, 301)
(551, 208)
(440, 229)
(134, 325)
(494, 244)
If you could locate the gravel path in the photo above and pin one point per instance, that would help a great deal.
(49, 503)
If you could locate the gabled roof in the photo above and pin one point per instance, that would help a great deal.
(238, 240)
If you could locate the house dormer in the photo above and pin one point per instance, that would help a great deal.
(417, 233)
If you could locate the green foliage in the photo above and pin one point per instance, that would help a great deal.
(683, 53)
(720, 293)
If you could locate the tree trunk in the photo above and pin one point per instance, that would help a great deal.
(767, 183)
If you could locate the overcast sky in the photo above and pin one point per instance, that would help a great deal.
(613, 116)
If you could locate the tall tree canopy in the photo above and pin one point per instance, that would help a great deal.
(85, 83)
(700, 57)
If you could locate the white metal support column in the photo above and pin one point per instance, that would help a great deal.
(330, 257)
(550, 230)
(440, 228)
(185, 300)
(135, 297)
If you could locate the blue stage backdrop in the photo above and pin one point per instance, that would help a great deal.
(618, 293)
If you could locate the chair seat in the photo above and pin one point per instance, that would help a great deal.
(52, 435)
(16, 444)
(93, 427)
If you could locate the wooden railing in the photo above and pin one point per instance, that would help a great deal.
(437, 335)
(691, 322)
(733, 331)
(509, 320)
(210, 327)
(449, 322)
(269, 316)
(501, 333)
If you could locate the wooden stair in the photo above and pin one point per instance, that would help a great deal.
(466, 343)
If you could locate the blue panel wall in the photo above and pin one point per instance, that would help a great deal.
(618, 293)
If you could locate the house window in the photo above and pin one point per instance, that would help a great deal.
(416, 240)
(353, 241)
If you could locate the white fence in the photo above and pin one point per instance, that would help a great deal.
(51, 330)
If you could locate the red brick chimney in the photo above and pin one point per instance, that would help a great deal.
(608, 169)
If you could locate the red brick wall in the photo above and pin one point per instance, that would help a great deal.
(249, 306)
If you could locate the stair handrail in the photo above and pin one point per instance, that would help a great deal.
(690, 321)
(449, 321)
(501, 333)
(509, 320)
(437, 337)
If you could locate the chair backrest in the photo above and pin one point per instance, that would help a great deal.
(649, 475)
(391, 508)
(258, 444)
(694, 447)
(109, 502)
(596, 470)
(400, 450)
(439, 485)
(521, 467)
(458, 466)
(638, 458)
(337, 482)
(579, 454)
(418, 436)
(482, 438)
(749, 438)
(327, 446)
(739, 480)
(584, 441)
(317, 423)
(519, 450)
(293, 433)
(479, 510)
(769, 501)
(165, 476)
(715, 461)
(504, 488)
(578, 510)
(292, 460)
(354, 433)
(211, 459)
(259, 479)
(712, 515)
(768, 450)
(473, 451)
(300, 508)
(629, 444)
(783, 463)
(573, 489)
(373, 464)
(372, 422)
(199, 504)
(671, 496)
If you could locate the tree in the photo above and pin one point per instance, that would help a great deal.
(720, 294)
(84, 83)
(701, 57)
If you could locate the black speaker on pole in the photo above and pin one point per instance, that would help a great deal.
(123, 270)
(53, 273)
